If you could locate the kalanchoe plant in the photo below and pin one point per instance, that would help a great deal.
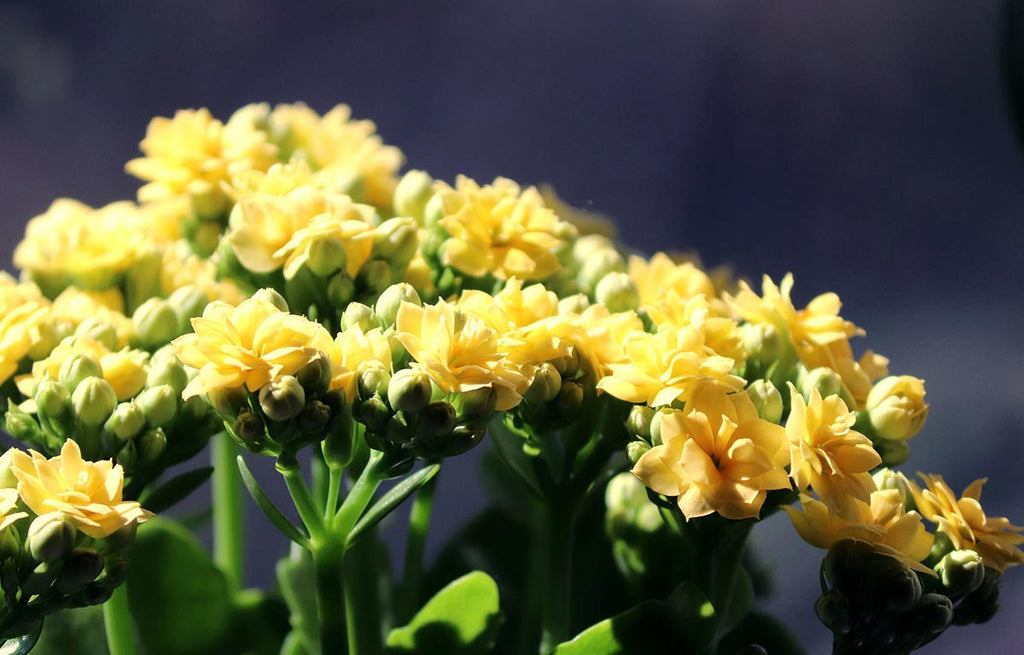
(279, 290)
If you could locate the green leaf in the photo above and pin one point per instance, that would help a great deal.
(650, 627)
(297, 581)
(73, 632)
(174, 490)
(461, 619)
(179, 599)
(392, 499)
(259, 623)
(270, 510)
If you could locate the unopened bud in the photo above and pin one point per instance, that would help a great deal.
(373, 380)
(464, 438)
(961, 572)
(53, 399)
(249, 429)
(227, 402)
(569, 399)
(639, 421)
(547, 382)
(766, 399)
(590, 244)
(932, 615)
(169, 372)
(477, 404)
(375, 275)
(886, 478)
(94, 401)
(76, 368)
(128, 455)
(981, 604)
(635, 450)
(409, 390)
(833, 610)
(392, 298)
(896, 406)
(892, 452)
(396, 240)
(80, 568)
(897, 586)
(51, 537)
(22, 427)
(98, 330)
(574, 304)
(283, 398)
(151, 445)
(126, 421)
(314, 417)
(823, 379)
(439, 418)
(326, 256)
(154, 324)
(159, 404)
(433, 212)
(273, 297)
(373, 413)
(315, 377)
(764, 342)
(413, 192)
(341, 289)
(599, 264)
(358, 314)
(617, 292)
(187, 303)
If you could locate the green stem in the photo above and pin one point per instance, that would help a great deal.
(328, 559)
(416, 543)
(363, 612)
(303, 500)
(558, 537)
(117, 619)
(320, 478)
(333, 487)
(228, 511)
(358, 497)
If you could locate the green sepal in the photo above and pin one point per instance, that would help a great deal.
(268, 507)
(461, 619)
(174, 490)
(392, 499)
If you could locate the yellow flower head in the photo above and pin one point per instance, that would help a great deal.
(717, 456)
(339, 147)
(193, 154)
(499, 229)
(963, 520)
(355, 352)
(268, 232)
(180, 267)
(20, 318)
(882, 522)
(8, 502)
(73, 307)
(896, 406)
(72, 243)
(125, 369)
(659, 275)
(608, 333)
(87, 493)
(721, 333)
(826, 453)
(459, 352)
(249, 345)
(666, 367)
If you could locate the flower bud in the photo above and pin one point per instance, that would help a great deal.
(638, 423)
(315, 377)
(326, 256)
(375, 275)
(340, 289)
(961, 572)
(617, 292)
(76, 368)
(574, 304)
(547, 382)
(249, 430)
(766, 399)
(98, 330)
(22, 427)
(597, 266)
(477, 404)
(656, 427)
(463, 439)
(396, 240)
(932, 615)
(283, 398)
(569, 399)
(80, 568)
(981, 604)
(127, 456)
(358, 314)
(168, 372)
(439, 418)
(10, 546)
(833, 610)
(590, 244)
(273, 297)
(391, 300)
(897, 586)
(187, 302)
(373, 413)
(154, 324)
(433, 212)
(409, 390)
(896, 406)
(47, 335)
(764, 342)
(635, 450)
(151, 445)
(94, 401)
(825, 380)
(314, 417)
(159, 404)
(126, 421)
(886, 478)
(892, 452)
(373, 380)
(227, 402)
(51, 537)
(413, 192)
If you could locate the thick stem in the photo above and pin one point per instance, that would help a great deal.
(363, 611)
(412, 573)
(358, 497)
(558, 538)
(117, 619)
(228, 511)
(303, 499)
(320, 477)
(333, 487)
(328, 559)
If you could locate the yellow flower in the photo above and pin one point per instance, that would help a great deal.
(354, 352)
(666, 367)
(718, 456)
(15, 335)
(87, 493)
(268, 231)
(826, 453)
(659, 275)
(882, 523)
(338, 146)
(500, 230)
(125, 369)
(458, 351)
(74, 307)
(8, 502)
(963, 520)
(180, 267)
(193, 154)
(608, 333)
(72, 243)
(721, 334)
(249, 345)
(896, 407)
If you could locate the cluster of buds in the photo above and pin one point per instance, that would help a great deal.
(52, 560)
(159, 320)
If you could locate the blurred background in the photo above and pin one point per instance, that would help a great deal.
(863, 145)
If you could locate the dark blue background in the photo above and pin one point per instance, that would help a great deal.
(862, 145)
